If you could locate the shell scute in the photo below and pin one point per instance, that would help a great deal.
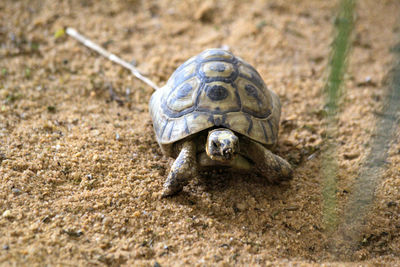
(254, 100)
(248, 72)
(217, 70)
(182, 97)
(217, 98)
(211, 54)
(182, 74)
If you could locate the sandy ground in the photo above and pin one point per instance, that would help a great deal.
(81, 173)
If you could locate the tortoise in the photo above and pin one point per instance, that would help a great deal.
(216, 111)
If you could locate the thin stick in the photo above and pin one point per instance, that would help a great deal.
(85, 41)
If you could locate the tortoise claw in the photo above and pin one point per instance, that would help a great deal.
(173, 184)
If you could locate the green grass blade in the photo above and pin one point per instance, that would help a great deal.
(337, 67)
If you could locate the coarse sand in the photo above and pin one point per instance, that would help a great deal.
(81, 172)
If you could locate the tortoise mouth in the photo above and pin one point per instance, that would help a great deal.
(227, 155)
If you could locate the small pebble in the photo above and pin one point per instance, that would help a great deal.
(46, 219)
(7, 214)
(6, 247)
(136, 214)
(73, 233)
(117, 137)
(351, 156)
(241, 206)
(107, 220)
(16, 191)
(312, 156)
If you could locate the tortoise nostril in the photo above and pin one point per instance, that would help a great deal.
(227, 151)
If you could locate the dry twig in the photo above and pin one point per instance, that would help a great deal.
(85, 41)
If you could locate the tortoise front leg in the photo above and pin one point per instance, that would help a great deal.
(269, 165)
(183, 168)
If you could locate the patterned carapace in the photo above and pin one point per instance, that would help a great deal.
(215, 89)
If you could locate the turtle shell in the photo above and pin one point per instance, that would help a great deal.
(215, 89)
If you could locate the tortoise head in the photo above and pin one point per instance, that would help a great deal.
(222, 145)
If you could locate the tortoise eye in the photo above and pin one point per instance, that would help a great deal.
(214, 145)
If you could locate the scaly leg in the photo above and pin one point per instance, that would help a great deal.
(183, 169)
(269, 165)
